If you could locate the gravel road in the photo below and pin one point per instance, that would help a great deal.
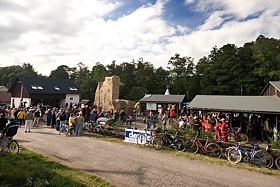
(125, 165)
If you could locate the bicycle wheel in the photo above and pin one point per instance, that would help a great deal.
(191, 146)
(214, 150)
(13, 147)
(158, 143)
(98, 130)
(234, 155)
(141, 139)
(180, 145)
(243, 138)
(262, 159)
(277, 162)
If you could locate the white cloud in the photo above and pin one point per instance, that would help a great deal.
(52, 33)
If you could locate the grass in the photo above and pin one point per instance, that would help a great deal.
(16, 168)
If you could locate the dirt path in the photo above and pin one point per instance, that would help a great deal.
(125, 165)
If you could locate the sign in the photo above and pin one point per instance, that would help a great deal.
(151, 106)
(131, 135)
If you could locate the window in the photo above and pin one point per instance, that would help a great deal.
(71, 98)
(37, 87)
(34, 87)
(72, 88)
(56, 88)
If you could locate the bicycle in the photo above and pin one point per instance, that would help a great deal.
(36, 181)
(195, 145)
(237, 136)
(12, 145)
(89, 126)
(258, 157)
(146, 138)
(168, 140)
(277, 162)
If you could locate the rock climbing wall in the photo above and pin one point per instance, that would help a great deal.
(107, 96)
(106, 92)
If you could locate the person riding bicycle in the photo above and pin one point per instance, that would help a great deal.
(8, 132)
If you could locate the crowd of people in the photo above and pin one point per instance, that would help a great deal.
(256, 127)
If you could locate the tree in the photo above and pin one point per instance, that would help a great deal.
(29, 69)
(266, 53)
(181, 73)
(61, 72)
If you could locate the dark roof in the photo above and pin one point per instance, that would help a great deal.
(162, 98)
(249, 104)
(40, 85)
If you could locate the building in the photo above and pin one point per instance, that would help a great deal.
(157, 102)
(5, 97)
(272, 88)
(32, 91)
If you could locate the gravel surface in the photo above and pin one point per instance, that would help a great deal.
(125, 165)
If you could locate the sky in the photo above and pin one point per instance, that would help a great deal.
(47, 34)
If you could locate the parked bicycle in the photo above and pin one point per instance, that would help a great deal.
(89, 126)
(146, 138)
(277, 162)
(195, 146)
(237, 136)
(169, 140)
(12, 145)
(277, 158)
(255, 156)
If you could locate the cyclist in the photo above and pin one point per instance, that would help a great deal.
(7, 134)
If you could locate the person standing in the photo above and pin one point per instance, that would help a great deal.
(28, 120)
(224, 130)
(53, 118)
(20, 117)
(49, 117)
(148, 123)
(164, 121)
(71, 123)
(267, 129)
(37, 116)
(79, 121)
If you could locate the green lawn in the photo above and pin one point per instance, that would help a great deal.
(16, 168)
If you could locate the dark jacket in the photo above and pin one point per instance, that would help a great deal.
(11, 128)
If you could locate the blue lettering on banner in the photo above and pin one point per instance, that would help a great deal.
(131, 135)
